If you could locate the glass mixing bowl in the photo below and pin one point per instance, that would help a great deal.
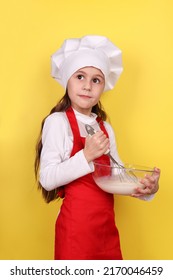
(118, 180)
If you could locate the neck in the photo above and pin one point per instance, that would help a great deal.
(86, 112)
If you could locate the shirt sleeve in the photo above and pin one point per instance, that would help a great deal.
(147, 197)
(57, 168)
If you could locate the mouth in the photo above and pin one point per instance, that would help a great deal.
(84, 96)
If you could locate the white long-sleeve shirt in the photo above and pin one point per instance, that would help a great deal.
(57, 168)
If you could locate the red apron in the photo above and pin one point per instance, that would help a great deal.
(85, 227)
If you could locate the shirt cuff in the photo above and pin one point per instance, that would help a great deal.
(148, 197)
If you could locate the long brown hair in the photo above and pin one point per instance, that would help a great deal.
(61, 106)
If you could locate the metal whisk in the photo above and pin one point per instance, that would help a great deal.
(120, 168)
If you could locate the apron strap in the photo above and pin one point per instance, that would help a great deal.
(102, 127)
(75, 128)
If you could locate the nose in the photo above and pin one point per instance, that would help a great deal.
(87, 86)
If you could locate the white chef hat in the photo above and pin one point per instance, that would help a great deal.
(91, 50)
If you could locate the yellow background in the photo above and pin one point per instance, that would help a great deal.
(140, 109)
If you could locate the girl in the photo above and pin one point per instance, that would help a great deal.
(85, 227)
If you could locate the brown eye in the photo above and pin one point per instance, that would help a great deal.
(96, 81)
(80, 77)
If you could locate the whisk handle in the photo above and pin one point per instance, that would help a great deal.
(90, 130)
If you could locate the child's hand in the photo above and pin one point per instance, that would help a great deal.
(151, 183)
(95, 145)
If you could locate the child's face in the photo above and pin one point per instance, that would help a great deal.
(85, 87)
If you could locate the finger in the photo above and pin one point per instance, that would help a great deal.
(100, 138)
(104, 145)
(156, 173)
(157, 170)
(147, 183)
(136, 195)
(144, 191)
